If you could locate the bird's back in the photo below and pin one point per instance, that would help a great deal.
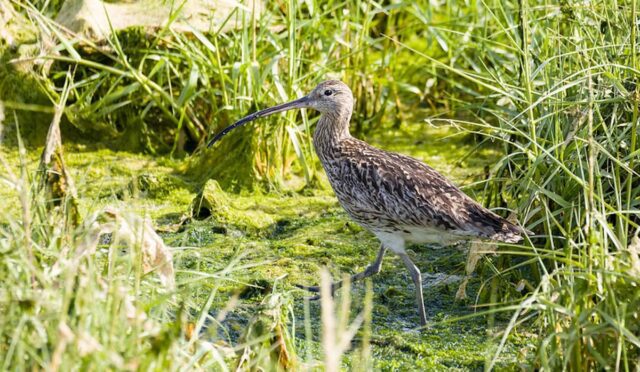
(393, 193)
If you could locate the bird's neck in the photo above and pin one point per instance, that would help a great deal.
(331, 129)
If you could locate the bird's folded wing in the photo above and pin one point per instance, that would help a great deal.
(408, 192)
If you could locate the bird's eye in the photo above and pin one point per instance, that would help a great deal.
(328, 92)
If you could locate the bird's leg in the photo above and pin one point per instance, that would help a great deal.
(417, 280)
(372, 269)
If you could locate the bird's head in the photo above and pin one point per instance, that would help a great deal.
(329, 97)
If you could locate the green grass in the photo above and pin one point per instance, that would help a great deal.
(565, 112)
(546, 93)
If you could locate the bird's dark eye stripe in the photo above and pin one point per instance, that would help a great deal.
(328, 92)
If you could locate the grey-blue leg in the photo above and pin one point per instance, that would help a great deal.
(417, 281)
(372, 269)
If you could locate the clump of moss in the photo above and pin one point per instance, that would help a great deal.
(211, 201)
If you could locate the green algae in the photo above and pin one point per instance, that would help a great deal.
(273, 241)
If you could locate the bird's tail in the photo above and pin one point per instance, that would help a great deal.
(511, 233)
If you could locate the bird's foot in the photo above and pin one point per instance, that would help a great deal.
(316, 289)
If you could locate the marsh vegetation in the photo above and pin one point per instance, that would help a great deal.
(530, 105)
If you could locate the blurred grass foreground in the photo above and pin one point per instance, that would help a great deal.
(146, 250)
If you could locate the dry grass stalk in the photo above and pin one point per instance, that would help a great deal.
(56, 180)
(476, 250)
(337, 333)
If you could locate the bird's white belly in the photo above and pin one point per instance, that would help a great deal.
(429, 235)
(397, 240)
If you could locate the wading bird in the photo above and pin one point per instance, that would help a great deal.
(398, 198)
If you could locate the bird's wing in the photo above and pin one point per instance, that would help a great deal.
(408, 192)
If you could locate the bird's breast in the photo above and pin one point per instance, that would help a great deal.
(356, 195)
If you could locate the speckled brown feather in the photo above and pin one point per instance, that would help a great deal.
(387, 191)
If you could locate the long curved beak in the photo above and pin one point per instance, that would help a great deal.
(299, 103)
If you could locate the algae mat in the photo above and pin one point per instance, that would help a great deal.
(277, 240)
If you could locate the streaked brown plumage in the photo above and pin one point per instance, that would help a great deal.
(398, 198)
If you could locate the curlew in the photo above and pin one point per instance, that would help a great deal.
(399, 199)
